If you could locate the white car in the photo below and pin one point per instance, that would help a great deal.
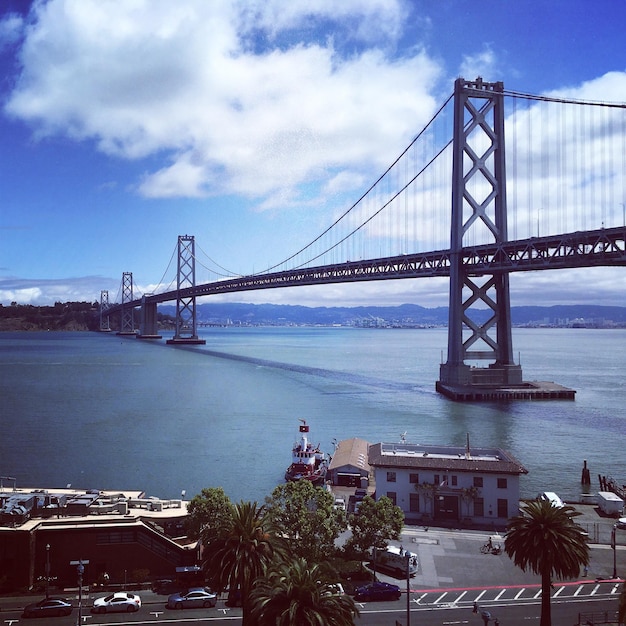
(621, 523)
(117, 602)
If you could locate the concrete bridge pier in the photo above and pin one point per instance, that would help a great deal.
(148, 326)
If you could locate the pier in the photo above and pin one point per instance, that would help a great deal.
(534, 390)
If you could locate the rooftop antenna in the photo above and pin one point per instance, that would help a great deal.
(467, 448)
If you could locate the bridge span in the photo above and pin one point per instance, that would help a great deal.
(478, 272)
(605, 247)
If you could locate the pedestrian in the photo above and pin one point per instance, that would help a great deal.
(585, 570)
(475, 609)
(496, 622)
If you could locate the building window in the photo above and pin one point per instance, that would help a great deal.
(478, 481)
(502, 483)
(414, 502)
(454, 481)
(479, 507)
(392, 496)
(436, 479)
(414, 479)
(503, 507)
(391, 477)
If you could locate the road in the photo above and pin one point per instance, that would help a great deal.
(511, 605)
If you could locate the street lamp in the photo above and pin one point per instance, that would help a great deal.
(47, 571)
(614, 550)
(80, 569)
(408, 588)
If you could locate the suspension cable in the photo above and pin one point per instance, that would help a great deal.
(295, 254)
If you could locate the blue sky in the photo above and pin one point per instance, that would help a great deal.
(127, 123)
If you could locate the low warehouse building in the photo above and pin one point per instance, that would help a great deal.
(349, 466)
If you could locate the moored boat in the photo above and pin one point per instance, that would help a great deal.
(308, 462)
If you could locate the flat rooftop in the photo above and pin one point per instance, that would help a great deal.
(459, 458)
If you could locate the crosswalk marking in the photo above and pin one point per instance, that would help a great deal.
(459, 598)
(502, 595)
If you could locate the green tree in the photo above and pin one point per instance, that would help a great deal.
(545, 540)
(242, 554)
(376, 522)
(305, 516)
(298, 594)
(209, 515)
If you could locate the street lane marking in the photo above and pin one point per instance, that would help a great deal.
(557, 592)
(481, 594)
(499, 595)
(594, 590)
(578, 591)
(441, 597)
(537, 595)
(519, 593)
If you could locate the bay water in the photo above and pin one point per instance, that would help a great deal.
(100, 411)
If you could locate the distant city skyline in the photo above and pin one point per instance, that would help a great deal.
(125, 125)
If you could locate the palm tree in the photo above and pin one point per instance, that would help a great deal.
(298, 594)
(545, 540)
(242, 553)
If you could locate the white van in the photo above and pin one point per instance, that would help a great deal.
(395, 559)
(550, 496)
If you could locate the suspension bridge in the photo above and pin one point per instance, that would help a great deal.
(456, 203)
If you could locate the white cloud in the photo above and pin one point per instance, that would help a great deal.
(483, 64)
(45, 292)
(11, 29)
(207, 85)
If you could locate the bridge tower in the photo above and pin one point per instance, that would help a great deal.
(478, 211)
(127, 326)
(186, 305)
(148, 326)
(105, 325)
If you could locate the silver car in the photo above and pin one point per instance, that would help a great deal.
(194, 598)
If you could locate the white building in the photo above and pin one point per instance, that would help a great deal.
(480, 485)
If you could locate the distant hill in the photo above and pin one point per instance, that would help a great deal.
(85, 316)
(404, 315)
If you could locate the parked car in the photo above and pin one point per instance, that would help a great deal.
(48, 607)
(340, 503)
(165, 586)
(621, 523)
(359, 494)
(377, 591)
(198, 597)
(550, 496)
(334, 589)
(120, 601)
